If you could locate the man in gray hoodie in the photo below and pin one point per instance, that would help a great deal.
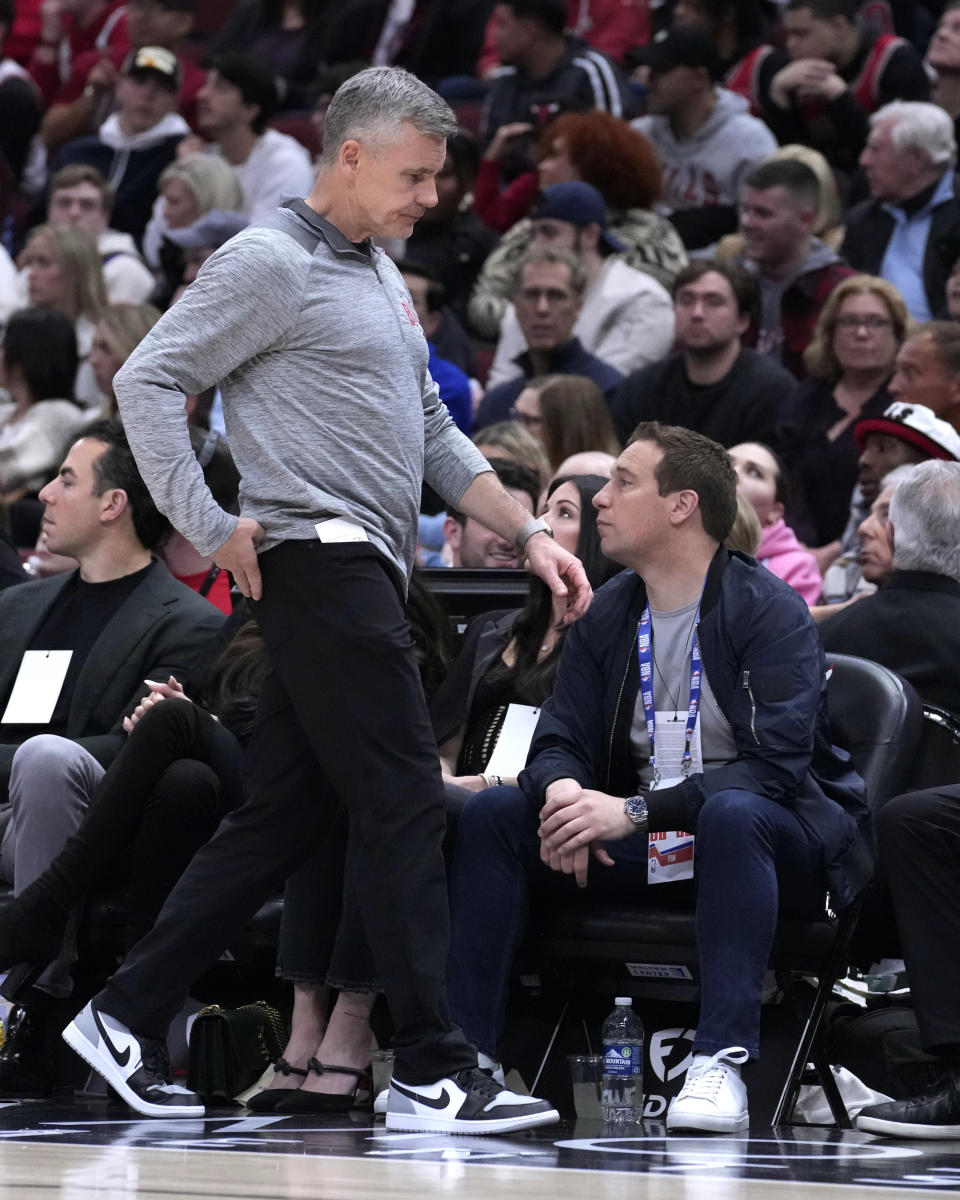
(703, 134)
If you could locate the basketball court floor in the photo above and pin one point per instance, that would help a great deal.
(97, 1150)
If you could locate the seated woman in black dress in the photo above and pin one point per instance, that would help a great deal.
(510, 657)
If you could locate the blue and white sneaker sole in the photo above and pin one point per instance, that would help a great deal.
(105, 1067)
(409, 1123)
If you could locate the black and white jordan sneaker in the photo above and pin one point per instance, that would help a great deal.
(138, 1069)
(468, 1102)
(487, 1065)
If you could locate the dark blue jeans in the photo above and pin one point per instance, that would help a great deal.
(754, 860)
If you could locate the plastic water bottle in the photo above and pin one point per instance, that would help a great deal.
(621, 1097)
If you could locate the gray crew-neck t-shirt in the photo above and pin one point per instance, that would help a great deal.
(672, 640)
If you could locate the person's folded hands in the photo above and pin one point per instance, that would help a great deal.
(568, 824)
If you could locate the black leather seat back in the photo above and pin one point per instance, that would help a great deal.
(877, 717)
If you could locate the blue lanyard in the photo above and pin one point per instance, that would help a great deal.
(645, 657)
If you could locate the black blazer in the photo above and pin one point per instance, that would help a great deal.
(911, 626)
(868, 233)
(163, 628)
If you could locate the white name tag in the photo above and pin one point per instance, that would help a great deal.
(339, 529)
(509, 756)
(670, 738)
(37, 688)
(671, 851)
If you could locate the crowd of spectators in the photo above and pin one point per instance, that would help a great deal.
(738, 218)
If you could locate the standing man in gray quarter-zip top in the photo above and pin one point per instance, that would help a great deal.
(334, 422)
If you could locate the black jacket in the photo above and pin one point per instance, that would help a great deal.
(821, 473)
(485, 639)
(568, 359)
(11, 568)
(869, 229)
(135, 189)
(911, 626)
(762, 655)
(584, 79)
(162, 628)
(839, 129)
(743, 406)
(455, 252)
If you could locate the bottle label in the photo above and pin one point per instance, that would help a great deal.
(619, 1059)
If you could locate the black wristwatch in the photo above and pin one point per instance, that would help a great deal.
(636, 809)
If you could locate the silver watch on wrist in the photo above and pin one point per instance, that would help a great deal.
(529, 528)
(636, 809)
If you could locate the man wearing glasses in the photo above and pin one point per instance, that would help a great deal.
(547, 297)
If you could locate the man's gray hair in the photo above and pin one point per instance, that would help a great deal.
(894, 478)
(554, 254)
(374, 103)
(925, 514)
(920, 126)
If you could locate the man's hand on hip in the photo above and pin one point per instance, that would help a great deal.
(238, 555)
(561, 572)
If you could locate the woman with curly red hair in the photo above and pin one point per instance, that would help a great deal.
(593, 147)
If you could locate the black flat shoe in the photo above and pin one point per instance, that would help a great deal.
(328, 1102)
(269, 1098)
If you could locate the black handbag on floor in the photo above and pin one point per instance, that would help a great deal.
(230, 1048)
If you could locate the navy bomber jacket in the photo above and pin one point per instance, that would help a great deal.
(763, 657)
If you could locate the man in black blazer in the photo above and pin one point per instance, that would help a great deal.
(909, 231)
(121, 612)
(912, 625)
(119, 618)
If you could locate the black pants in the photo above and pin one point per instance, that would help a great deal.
(919, 839)
(322, 937)
(159, 801)
(181, 813)
(341, 719)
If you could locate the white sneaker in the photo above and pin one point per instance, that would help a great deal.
(488, 1065)
(138, 1069)
(468, 1102)
(713, 1098)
